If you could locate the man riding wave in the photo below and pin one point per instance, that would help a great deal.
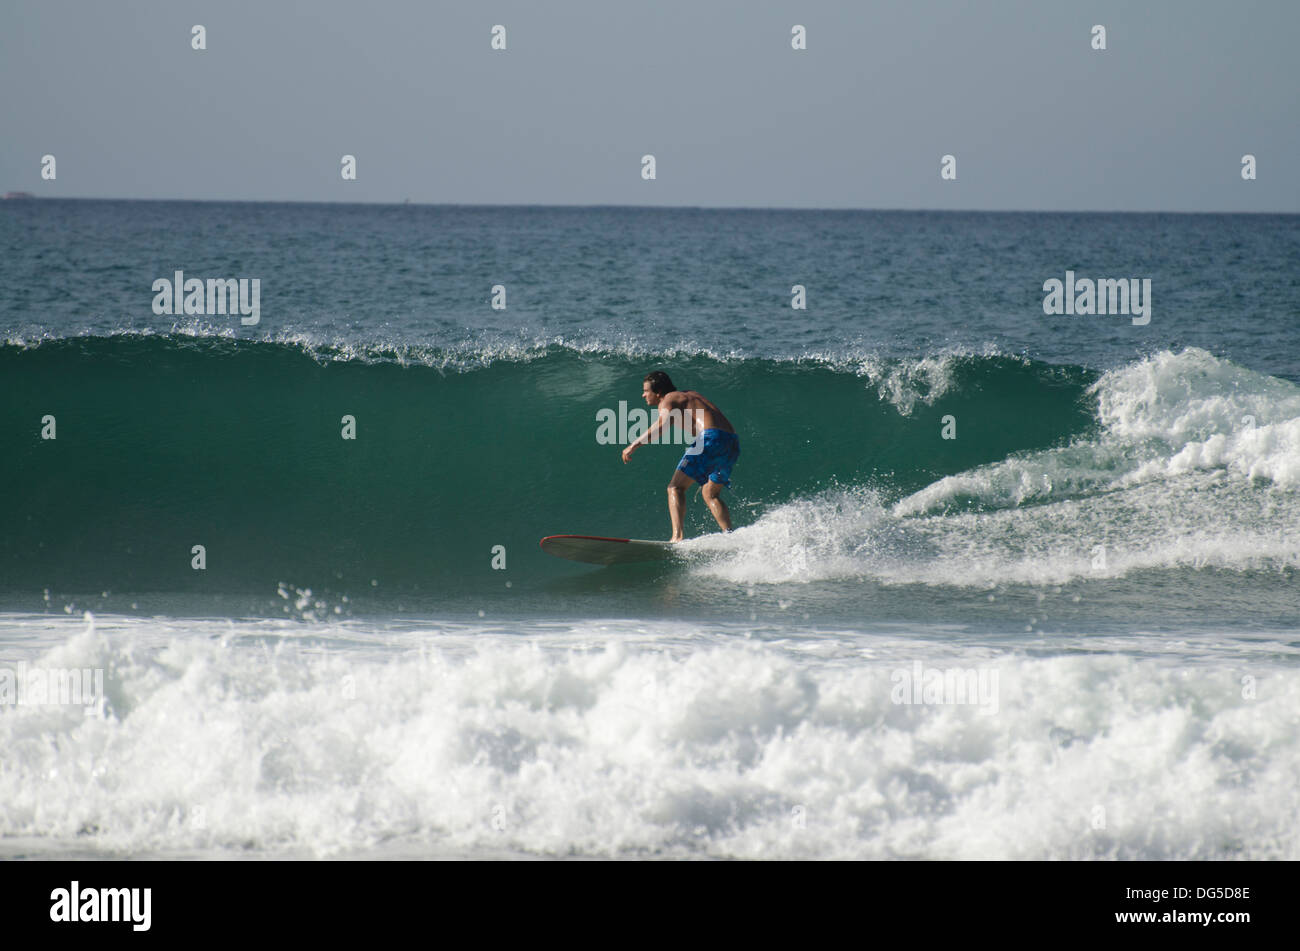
(709, 459)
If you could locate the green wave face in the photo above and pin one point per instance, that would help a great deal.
(164, 443)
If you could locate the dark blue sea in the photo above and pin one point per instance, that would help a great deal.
(1004, 583)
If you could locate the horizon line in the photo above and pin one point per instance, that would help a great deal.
(29, 196)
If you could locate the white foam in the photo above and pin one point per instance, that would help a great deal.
(1193, 411)
(620, 739)
(1196, 463)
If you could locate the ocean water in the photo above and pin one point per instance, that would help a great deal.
(1070, 630)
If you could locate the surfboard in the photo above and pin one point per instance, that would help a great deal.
(595, 550)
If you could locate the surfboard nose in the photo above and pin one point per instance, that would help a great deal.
(599, 550)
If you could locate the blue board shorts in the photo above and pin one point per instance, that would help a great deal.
(711, 457)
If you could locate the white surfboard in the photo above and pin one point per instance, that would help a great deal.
(595, 550)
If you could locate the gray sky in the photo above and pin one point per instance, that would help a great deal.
(734, 116)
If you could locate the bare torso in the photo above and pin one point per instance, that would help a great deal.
(697, 411)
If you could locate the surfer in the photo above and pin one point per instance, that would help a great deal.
(709, 459)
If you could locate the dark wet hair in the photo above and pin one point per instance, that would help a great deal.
(659, 382)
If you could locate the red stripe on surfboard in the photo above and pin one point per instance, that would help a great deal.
(591, 538)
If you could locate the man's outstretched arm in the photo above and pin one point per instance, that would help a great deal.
(666, 417)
